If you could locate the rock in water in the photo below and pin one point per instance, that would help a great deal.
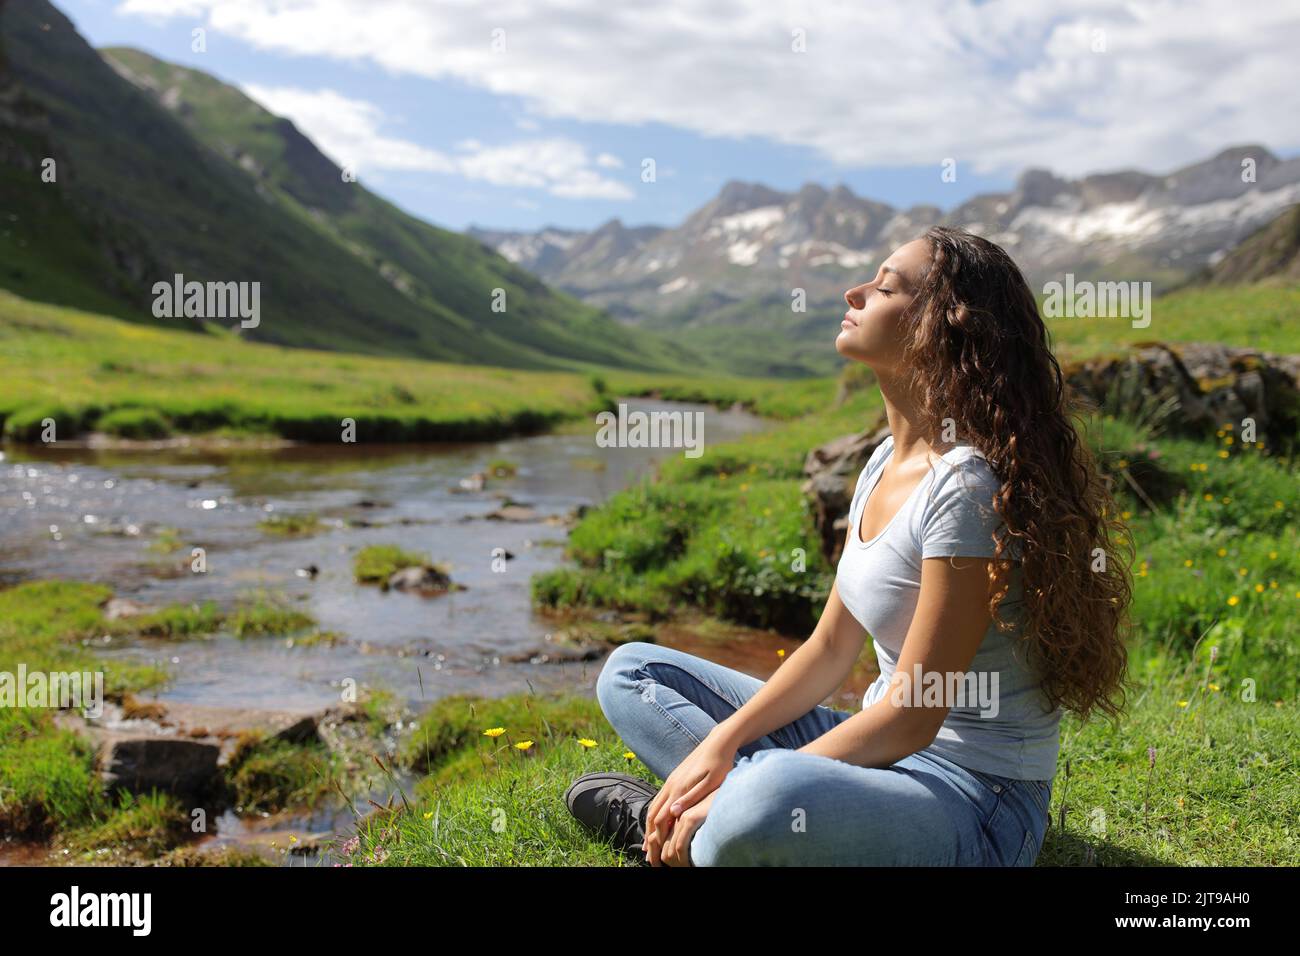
(427, 579)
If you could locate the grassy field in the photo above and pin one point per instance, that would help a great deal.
(90, 372)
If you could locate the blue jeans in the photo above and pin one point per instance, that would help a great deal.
(779, 807)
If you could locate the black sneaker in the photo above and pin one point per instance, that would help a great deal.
(613, 806)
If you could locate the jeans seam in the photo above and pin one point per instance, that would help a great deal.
(663, 711)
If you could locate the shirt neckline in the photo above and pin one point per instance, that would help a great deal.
(862, 509)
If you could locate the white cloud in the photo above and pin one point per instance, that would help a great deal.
(1000, 84)
(347, 131)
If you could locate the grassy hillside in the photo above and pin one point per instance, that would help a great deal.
(138, 198)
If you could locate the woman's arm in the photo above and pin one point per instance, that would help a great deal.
(947, 628)
(810, 675)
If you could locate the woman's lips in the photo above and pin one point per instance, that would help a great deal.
(848, 322)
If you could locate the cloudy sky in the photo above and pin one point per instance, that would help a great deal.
(523, 113)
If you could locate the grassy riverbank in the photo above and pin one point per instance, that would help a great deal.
(88, 372)
(49, 786)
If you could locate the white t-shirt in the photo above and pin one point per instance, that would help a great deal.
(1006, 729)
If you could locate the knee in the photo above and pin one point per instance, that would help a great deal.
(753, 814)
(617, 676)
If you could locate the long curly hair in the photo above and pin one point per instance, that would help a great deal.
(978, 354)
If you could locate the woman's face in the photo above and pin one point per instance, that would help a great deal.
(872, 328)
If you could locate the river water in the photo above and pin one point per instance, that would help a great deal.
(86, 514)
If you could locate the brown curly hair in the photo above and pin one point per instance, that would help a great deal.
(978, 352)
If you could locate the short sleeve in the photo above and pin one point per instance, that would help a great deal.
(960, 519)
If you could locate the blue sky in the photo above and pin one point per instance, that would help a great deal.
(518, 114)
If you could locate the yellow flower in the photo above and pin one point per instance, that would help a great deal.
(1234, 601)
(1187, 563)
(1223, 552)
(1219, 433)
(494, 732)
(1242, 572)
(1272, 584)
(1277, 504)
(1228, 440)
(1223, 453)
(1123, 462)
(429, 815)
(1226, 499)
(1272, 555)
(292, 838)
(1214, 687)
(1126, 515)
(1182, 703)
(628, 755)
(780, 652)
(523, 745)
(1209, 497)
(744, 486)
(1259, 588)
(586, 742)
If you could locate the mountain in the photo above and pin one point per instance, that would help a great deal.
(722, 281)
(162, 170)
(1272, 253)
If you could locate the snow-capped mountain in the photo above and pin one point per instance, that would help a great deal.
(751, 246)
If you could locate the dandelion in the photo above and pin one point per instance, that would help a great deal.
(1126, 515)
(629, 756)
(584, 741)
(1234, 600)
(1182, 703)
(1272, 585)
(523, 745)
(780, 652)
(1242, 572)
(1208, 496)
(1214, 687)
(429, 815)
(1223, 453)
(1187, 563)
(1226, 500)
(1223, 552)
(494, 732)
(1228, 440)
(1277, 504)
(1259, 588)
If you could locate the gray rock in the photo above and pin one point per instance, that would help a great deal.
(424, 578)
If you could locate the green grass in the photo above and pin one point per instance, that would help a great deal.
(376, 563)
(291, 525)
(91, 373)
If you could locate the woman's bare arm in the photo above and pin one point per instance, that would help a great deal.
(810, 674)
(947, 628)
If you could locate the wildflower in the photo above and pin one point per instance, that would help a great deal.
(1126, 515)
(1223, 552)
(1187, 563)
(628, 755)
(1151, 756)
(1182, 703)
(1208, 496)
(586, 742)
(494, 732)
(429, 815)
(780, 652)
(1214, 687)
(1259, 588)
(1234, 600)
(523, 745)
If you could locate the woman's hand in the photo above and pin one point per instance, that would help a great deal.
(677, 851)
(690, 782)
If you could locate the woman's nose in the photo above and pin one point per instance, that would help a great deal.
(855, 298)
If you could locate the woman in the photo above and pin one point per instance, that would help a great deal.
(979, 558)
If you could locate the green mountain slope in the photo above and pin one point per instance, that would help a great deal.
(142, 193)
